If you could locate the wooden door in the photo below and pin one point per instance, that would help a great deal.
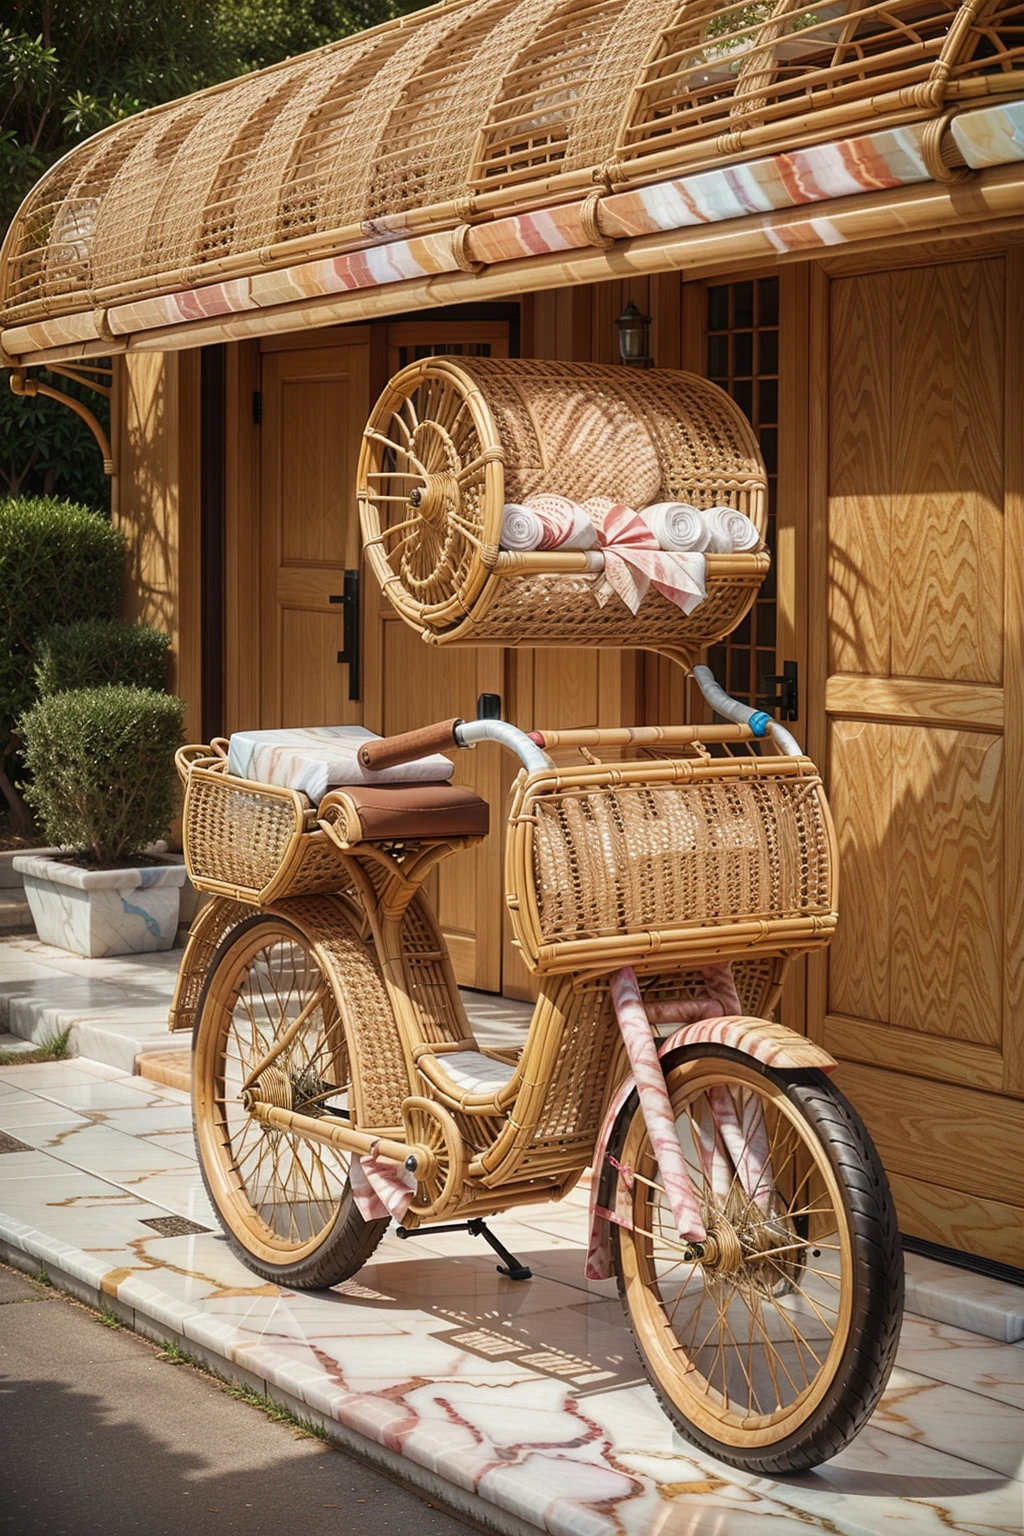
(314, 404)
(921, 719)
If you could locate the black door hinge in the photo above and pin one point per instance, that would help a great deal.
(349, 596)
(257, 407)
(785, 696)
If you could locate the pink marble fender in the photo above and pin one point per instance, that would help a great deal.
(642, 1050)
(380, 1188)
(774, 1045)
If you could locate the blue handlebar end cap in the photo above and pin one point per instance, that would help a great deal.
(759, 722)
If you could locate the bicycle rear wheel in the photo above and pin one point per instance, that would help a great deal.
(773, 1349)
(285, 1203)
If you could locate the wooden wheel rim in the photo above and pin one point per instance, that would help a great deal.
(235, 1149)
(676, 1375)
(430, 474)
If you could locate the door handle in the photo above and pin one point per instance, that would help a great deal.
(787, 697)
(349, 598)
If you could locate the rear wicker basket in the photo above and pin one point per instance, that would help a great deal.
(253, 842)
(453, 438)
(714, 859)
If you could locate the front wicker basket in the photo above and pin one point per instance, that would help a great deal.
(688, 861)
(452, 439)
(252, 842)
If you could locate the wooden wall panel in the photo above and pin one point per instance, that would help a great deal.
(945, 943)
(947, 461)
(158, 506)
(917, 688)
(423, 683)
(919, 822)
(859, 958)
(859, 561)
(943, 1134)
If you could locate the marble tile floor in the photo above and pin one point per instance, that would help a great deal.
(116, 1008)
(528, 1398)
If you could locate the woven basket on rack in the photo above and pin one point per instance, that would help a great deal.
(689, 861)
(452, 439)
(252, 842)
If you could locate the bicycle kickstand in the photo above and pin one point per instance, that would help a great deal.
(477, 1227)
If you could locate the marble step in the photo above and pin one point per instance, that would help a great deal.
(172, 1068)
(15, 916)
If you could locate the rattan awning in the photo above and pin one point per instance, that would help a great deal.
(450, 123)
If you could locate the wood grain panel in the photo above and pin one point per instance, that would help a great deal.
(947, 464)
(316, 692)
(315, 403)
(860, 511)
(946, 897)
(942, 1134)
(971, 705)
(860, 794)
(425, 684)
(958, 1220)
(1013, 640)
(318, 473)
(954, 1061)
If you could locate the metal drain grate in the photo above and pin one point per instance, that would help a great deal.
(173, 1226)
(12, 1144)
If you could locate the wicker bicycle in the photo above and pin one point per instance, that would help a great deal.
(657, 896)
(735, 1196)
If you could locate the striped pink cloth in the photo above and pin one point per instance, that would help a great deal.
(380, 1188)
(633, 564)
(731, 1134)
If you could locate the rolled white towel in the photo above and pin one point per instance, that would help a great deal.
(566, 523)
(521, 528)
(731, 532)
(677, 526)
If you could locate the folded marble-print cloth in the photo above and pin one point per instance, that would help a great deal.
(546, 522)
(731, 532)
(633, 564)
(677, 526)
(321, 757)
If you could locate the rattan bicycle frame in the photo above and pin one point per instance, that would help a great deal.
(602, 860)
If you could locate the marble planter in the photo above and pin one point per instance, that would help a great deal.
(10, 879)
(102, 911)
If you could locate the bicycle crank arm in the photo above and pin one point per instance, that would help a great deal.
(419, 1160)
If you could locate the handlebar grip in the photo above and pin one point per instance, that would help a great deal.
(389, 751)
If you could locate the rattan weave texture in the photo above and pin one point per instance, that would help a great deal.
(607, 865)
(453, 438)
(476, 107)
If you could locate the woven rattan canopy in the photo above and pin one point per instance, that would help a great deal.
(473, 111)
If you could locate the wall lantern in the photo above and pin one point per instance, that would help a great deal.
(634, 337)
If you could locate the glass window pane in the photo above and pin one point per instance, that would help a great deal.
(768, 352)
(768, 301)
(743, 354)
(718, 357)
(743, 306)
(718, 308)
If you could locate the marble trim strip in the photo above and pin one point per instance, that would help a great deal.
(988, 136)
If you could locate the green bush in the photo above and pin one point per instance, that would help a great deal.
(98, 651)
(59, 563)
(102, 766)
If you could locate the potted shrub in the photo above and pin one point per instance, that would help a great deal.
(102, 769)
(59, 563)
(92, 652)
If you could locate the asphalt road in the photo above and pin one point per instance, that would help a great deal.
(100, 1437)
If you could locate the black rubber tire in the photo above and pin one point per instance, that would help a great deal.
(349, 1241)
(877, 1310)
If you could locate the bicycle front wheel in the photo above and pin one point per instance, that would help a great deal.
(772, 1349)
(285, 1203)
